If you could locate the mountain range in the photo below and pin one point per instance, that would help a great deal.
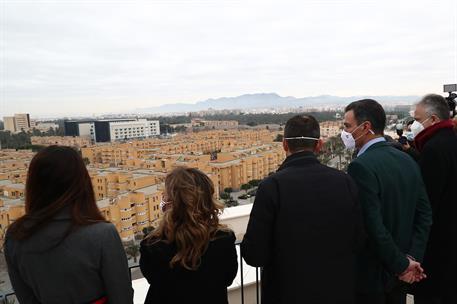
(272, 100)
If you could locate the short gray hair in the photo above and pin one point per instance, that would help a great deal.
(435, 104)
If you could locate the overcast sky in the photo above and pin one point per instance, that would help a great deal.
(82, 57)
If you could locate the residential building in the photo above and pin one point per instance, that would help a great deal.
(331, 128)
(214, 124)
(8, 124)
(68, 141)
(128, 177)
(17, 123)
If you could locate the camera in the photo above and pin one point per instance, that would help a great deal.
(451, 88)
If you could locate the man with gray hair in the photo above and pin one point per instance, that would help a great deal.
(436, 142)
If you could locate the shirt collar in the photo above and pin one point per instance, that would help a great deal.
(369, 144)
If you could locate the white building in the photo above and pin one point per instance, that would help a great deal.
(141, 128)
(110, 130)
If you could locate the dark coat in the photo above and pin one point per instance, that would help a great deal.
(303, 230)
(397, 215)
(438, 163)
(89, 264)
(208, 284)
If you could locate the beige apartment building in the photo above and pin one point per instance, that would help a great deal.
(10, 210)
(11, 204)
(190, 144)
(14, 164)
(214, 124)
(133, 211)
(331, 128)
(17, 123)
(68, 141)
(8, 124)
(128, 178)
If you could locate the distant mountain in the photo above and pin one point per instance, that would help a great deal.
(272, 100)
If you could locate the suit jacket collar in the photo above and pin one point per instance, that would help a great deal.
(378, 145)
(299, 159)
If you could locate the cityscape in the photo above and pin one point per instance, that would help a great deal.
(275, 151)
(128, 159)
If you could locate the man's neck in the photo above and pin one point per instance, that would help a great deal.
(288, 153)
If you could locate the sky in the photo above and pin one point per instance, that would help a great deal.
(97, 56)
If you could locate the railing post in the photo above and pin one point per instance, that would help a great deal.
(241, 273)
(257, 284)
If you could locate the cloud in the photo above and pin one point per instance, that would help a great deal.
(68, 57)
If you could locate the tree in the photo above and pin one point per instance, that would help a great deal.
(180, 129)
(36, 132)
(147, 230)
(245, 187)
(279, 138)
(86, 161)
(255, 182)
(231, 203)
(133, 251)
(228, 190)
(225, 195)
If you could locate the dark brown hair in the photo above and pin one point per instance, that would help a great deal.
(302, 125)
(57, 178)
(369, 110)
(192, 220)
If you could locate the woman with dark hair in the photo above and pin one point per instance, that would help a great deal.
(63, 250)
(190, 257)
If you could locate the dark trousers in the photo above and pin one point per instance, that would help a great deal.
(396, 296)
(448, 299)
(426, 300)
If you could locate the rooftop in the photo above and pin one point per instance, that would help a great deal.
(17, 186)
(148, 190)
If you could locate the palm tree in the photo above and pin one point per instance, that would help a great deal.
(133, 251)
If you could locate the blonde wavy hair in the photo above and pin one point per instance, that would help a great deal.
(193, 218)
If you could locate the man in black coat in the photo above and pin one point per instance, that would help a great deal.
(305, 225)
(437, 143)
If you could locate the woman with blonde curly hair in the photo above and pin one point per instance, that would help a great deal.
(190, 257)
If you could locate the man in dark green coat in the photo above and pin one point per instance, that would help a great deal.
(396, 210)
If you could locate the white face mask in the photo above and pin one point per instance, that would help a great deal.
(417, 127)
(349, 140)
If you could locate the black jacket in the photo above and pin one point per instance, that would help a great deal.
(208, 284)
(438, 163)
(303, 230)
